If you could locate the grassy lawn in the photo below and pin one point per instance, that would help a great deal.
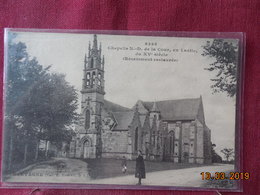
(105, 168)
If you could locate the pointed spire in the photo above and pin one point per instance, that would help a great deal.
(103, 62)
(89, 48)
(155, 108)
(85, 62)
(100, 47)
(95, 43)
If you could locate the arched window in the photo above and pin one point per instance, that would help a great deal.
(99, 78)
(136, 139)
(88, 79)
(93, 77)
(91, 63)
(87, 119)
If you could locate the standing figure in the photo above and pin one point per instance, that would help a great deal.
(124, 165)
(139, 168)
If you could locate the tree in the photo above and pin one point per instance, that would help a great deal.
(14, 91)
(33, 74)
(50, 108)
(23, 76)
(228, 152)
(59, 109)
(38, 105)
(215, 157)
(225, 55)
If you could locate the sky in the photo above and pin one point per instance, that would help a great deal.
(126, 81)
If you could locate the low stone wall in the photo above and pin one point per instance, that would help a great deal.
(116, 155)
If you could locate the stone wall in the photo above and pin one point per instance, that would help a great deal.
(185, 141)
(115, 144)
(200, 142)
(192, 150)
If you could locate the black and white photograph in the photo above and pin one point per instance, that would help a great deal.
(133, 110)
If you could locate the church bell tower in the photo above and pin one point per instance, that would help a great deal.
(93, 94)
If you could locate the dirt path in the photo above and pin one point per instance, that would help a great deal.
(65, 170)
(181, 177)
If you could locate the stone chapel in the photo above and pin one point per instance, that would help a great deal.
(171, 130)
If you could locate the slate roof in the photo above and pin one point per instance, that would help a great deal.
(112, 107)
(123, 119)
(182, 109)
(122, 115)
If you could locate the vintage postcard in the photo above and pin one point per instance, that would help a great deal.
(84, 108)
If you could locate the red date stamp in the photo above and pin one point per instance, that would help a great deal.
(223, 175)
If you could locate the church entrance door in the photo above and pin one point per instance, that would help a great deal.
(86, 149)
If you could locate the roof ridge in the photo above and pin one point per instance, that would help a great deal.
(198, 98)
(117, 105)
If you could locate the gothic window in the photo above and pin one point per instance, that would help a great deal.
(91, 63)
(88, 78)
(87, 119)
(136, 139)
(93, 77)
(99, 78)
